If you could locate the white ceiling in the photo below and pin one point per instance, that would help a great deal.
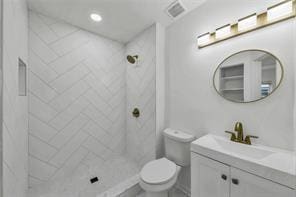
(122, 19)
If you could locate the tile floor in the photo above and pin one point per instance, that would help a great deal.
(110, 173)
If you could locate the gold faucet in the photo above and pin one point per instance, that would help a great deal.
(240, 134)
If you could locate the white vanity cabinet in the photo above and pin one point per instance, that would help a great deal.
(210, 178)
(250, 185)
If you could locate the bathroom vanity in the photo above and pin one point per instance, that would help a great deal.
(222, 168)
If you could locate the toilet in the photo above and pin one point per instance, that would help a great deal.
(159, 176)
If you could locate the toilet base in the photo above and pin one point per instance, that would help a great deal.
(157, 194)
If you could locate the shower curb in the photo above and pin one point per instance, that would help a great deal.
(127, 188)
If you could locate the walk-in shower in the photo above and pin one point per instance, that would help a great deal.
(83, 138)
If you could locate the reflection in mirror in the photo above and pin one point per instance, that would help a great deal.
(248, 76)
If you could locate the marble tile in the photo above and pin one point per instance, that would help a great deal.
(40, 109)
(39, 68)
(140, 92)
(68, 149)
(69, 42)
(40, 169)
(40, 89)
(40, 129)
(40, 149)
(116, 176)
(81, 96)
(37, 25)
(63, 136)
(41, 49)
(69, 60)
(63, 100)
(68, 79)
(78, 111)
(66, 116)
(62, 29)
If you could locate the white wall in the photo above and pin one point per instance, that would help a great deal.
(193, 104)
(15, 121)
(77, 99)
(141, 94)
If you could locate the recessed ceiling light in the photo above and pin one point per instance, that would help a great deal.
(95, 17)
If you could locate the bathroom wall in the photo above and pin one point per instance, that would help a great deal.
(140, 79)
(77, 100)
(14, 112)
(192, 103)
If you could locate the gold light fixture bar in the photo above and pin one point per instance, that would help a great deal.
(274, 14)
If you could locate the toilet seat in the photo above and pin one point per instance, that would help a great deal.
(159, 171)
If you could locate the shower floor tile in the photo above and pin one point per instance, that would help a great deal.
(110, 173)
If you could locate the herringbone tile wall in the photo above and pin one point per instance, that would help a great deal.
(140, 80)
(77, 98)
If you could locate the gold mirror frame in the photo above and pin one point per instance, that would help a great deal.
(280, 82)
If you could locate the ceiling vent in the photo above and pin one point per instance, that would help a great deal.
(175, 10)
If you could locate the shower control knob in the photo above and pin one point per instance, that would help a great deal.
(132, 59)
(136, 113)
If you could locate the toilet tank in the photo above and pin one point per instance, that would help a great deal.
(177, 146)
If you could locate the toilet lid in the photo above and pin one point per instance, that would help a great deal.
(158, 171)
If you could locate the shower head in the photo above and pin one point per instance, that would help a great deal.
(132, 59)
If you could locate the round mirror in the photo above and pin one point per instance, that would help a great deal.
(248, 76)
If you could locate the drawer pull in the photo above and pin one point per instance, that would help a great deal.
(235, 181)
(224, 177)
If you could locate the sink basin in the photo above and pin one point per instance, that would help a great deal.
(271, 163)
(242, 149)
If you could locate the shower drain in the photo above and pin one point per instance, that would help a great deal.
(93, 180)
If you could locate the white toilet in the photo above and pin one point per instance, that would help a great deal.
(158, 176)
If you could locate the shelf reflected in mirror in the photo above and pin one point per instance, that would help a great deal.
(248, 76)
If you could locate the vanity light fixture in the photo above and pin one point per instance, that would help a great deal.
(247, 22)
(272, 15)
(223, 32)
(280, 10)
(95, 17)
(203, 39)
